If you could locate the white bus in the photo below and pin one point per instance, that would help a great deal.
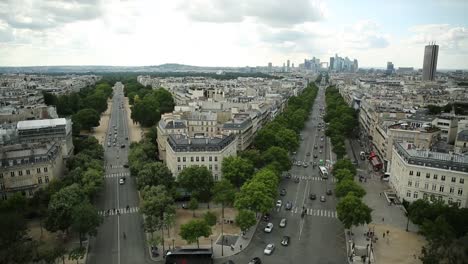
(323, 172)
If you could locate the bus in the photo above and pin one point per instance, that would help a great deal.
(190, 256)
(323, 172)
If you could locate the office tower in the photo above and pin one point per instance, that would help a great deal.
(270, 67)
(332, 63)
(292, 65)
(287, 65)
(390, 68)
(430, 62)
(356, 65)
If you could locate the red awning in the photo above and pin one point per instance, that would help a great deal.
(375, 161)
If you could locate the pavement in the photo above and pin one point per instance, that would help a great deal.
(318, 237)
(120, 238)
(396, 246)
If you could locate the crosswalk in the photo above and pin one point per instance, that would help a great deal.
(116, 175)
(304, 177)
(317, 212)
(112, 166)
(118, 211)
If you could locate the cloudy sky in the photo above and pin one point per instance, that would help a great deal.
(230, 32)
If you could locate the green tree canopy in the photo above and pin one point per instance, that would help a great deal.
(85, 220)
(87, 118)
(347, 186)
(245, 219)
(153, 174)
(197, 180)
(194, 229)
(254, 195)
(279, 156)
(237, 170)
(352, 211)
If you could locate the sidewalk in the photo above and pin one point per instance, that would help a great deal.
(396, 246)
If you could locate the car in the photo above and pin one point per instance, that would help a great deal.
(114, 144)
(322, 198)
(126, 138)
(125, 166)
(329, 192)
(266, 217)
(288, 206)
(283, 192)
(268, 228)
(308, 154)
(283, 222)
(321, 139)
(320, 151)
(123, 146)
(279, 203)
(255, 260)
(305, 165)
(285, 241)
(108, 144)
(269, 249)
(122, 180)
(315, 147)
(312, 196)
(296, 180)
(288, 175)
(321, 146)
(294, 152)
(315, 156)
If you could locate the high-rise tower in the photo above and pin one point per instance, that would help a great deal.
(430, 62)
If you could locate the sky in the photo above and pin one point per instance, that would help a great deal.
(231, 32)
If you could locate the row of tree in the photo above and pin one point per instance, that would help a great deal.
(352, 211)
(63, 205)
(84, 106)
(445, 229)
(341, 119)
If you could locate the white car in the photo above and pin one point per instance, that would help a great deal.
(283, 222)
(269, 227)
(279, 203)
(122, 181)
(269, 249)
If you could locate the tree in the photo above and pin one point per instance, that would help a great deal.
(85, 220)
(13, 247)
(245, 219)
(279, 156)
(345, 164)
(49, 98)
(194, 229)
(92, 181)
(252, 155)
(343, 174)
(210, 218)
(254, 195)
(287, 138)
(60, 211)
(263, 139)
(352, 211)
(271, 180)
(198, 181)
(346, 186)
(77, 254)
(87, 118)
(193, 205)
(153, 174)
(237, 170)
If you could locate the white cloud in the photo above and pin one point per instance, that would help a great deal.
(450, 38)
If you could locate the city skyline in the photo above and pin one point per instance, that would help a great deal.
(230, 33)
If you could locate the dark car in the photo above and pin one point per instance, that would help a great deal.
(308, 154)
(255, 260)
(296, 180)
(315, 156)
(283, 192)
(285, 241)
(266, 217)
(329, 192)
(312, 196)
(288, 206)
(315, 147)
(125, 165)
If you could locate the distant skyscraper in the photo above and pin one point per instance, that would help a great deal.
(287, 65)
(292, 65)
(390, 68)
(430, 62)
(332, 63)
(356, 65)
(270, 67)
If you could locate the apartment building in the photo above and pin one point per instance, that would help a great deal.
(27, 167)
(241, 126)
(448, 125)
(423, 174)
(169, 124)
(183, 151)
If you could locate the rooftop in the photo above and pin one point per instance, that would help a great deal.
(183, 143)
(463, 135)
(43, 123)
(406, 126)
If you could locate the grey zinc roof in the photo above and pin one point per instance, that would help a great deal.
(33, 124)
(463, 135)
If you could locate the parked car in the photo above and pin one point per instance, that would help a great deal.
(279, 203)
(312, 196)
(322, 198)
(268, 228)
(283, 192)
(269, 249)
(288, 205)
(283, 222)
(255, 260)
(285, 241)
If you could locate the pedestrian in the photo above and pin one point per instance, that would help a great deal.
(383, 219)
(240, 246)
(380, 194)
(383, 235)
(388, 232)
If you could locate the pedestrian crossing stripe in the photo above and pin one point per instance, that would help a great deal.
(119, 211)
(115, 175)
(113, 166)
(318, 212)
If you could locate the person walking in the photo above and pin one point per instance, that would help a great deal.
(240, 246)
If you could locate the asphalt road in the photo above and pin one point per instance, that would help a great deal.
(111, 245)
(318, 237)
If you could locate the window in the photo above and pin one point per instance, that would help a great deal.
(434, 187)
(435, 177)
(459, 203)
(46, 179)
(410, 183)
(442, 177)
(216, 158)
(178, 167)
(452, 189)
(1, 175)
(39, 180)
(38, 170)
(183, 167)
(426, 185)
(216, 167)
(441, 188)
(197, 158)
(416, 184)
(460, 191)
(191, 159)
(178, 159)
(28, 172)
(184, 159)
(210, 158)
(425, 196)
(450, 200)
(418, 173)
(408, 194)
(12, 174)
(203, 158)
(462, 181)
(454, 179)
(410, 172)
(20, 173)
(216, 177)
(45, 169)
(415, 195)
(428, 175)
(210, 167)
